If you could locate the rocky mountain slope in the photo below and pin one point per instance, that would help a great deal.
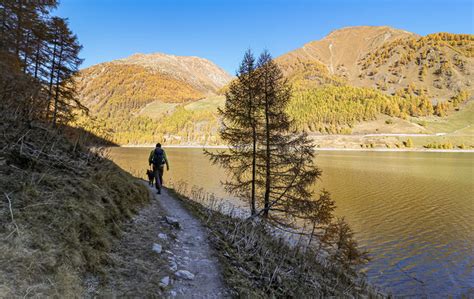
(338, 53)
(132, 83)
(385, 58)
(200, 73)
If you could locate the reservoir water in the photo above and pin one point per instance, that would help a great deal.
(414, 211)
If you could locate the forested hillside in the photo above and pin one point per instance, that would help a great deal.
(357, 74)
(109, 89)
(143, 98)
(386, 59)
(439, 64)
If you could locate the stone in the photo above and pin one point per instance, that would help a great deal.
(185, 274)
(162, 236)
(157, 248)
(165, 281)
(173, 294)
(173, 266)
(172, 221)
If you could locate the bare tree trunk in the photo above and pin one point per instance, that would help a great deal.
(56, 96)
(51, 78)
(266, 201)
(254, 167)
(25, 59)
(19, 28)
(37, 63)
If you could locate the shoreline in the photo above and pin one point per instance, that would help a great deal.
(317, 149)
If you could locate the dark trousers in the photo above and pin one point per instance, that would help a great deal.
(158, 171)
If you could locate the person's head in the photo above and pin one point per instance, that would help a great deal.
(158, 145)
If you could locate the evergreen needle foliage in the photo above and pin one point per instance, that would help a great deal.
(272, 165)
(43, 47)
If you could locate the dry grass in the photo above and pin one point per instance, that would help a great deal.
(61, 207)
(135, 269)
(256, 262)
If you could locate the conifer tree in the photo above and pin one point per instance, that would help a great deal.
(43, 47)
(239, 130)
(265, 155)
(64, 65)
(287, 158)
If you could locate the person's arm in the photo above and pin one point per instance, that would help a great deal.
(150, 157)
(166, 161)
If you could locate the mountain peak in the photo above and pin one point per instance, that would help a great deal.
(201, 73)
(366, 28)
(385, 58)
(159, 55)
(341, 49)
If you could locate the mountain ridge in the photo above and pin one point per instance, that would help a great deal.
(342, 57)
(203, 74)
(354, 75)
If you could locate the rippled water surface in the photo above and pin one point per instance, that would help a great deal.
(413, 211)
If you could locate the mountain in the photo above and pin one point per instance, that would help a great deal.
(339, 52)
(200, 73)
(384, 58)
(143, 97)
(142, 79)
(356, 80)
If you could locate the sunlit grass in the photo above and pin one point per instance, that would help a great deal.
(209, 103)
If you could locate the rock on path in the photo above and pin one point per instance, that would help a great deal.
(163, 252)
(192, 255)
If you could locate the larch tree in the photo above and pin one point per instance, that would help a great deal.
(64, 66)
(287, 157)
(240, 122)
(44, 49)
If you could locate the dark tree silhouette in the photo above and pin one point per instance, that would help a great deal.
(287, 157)
(44, 48)
(265, 156)
(65, 63)
(239, 130)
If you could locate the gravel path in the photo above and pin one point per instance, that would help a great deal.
(153, 258)
(191, 252)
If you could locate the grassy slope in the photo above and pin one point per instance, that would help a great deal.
(157, 109)
(387, 124)
(210, 103)
(455, 123)
(62, 207)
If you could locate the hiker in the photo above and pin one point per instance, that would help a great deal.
(158, 159)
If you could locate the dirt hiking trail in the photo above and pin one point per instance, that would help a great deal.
(192, 253)
(163, 252)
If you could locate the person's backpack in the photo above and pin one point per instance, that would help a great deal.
(158, 156)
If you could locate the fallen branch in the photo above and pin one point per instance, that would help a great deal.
(11, 212)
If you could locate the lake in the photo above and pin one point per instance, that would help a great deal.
(414, 211)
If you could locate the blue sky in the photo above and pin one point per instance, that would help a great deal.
(222, 30)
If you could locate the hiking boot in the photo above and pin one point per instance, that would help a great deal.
(158, 192)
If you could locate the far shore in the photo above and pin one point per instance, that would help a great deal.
(317, 149)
